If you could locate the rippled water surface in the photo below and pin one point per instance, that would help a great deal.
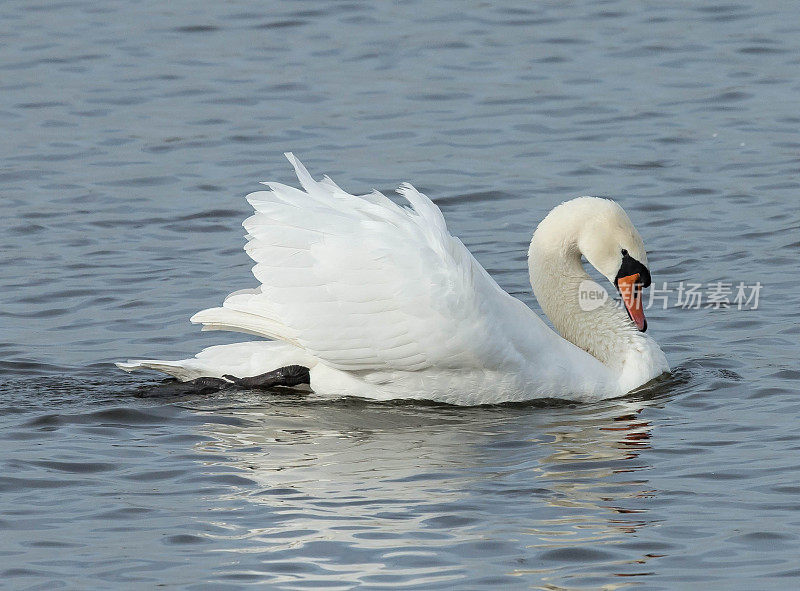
(131, 132)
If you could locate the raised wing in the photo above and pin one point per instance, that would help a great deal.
(362, 283)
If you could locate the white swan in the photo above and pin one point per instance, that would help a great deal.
(381, 301)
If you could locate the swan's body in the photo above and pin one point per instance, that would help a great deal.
(380, 301)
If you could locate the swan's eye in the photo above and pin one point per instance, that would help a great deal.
(624, 252)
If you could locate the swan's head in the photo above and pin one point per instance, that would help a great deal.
(611, 244)
(602, 232)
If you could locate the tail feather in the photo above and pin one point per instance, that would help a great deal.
(238, 359)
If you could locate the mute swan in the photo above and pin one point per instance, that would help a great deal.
(367, 298)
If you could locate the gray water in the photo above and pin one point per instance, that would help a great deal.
(131, 132)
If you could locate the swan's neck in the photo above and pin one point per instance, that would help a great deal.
(604, 332)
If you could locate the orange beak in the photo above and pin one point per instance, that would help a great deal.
(630, 288)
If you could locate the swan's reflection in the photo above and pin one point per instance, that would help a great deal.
(384, 479)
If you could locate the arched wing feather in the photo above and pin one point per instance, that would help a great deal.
(363, 283)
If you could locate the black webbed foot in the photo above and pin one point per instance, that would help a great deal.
(173, 388)
(291, 375)
(209, 383)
